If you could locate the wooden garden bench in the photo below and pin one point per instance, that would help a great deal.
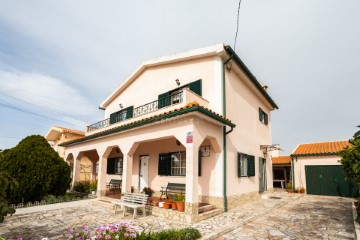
(132, 200)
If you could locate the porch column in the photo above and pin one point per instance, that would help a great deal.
(76, 168)
(191, 193)
(101, 184)
(93, 170)
(127, 172)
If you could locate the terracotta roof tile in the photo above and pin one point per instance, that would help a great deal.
(281, 160)
(71, 130)
(321, 148)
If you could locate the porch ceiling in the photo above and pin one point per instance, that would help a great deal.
(193, 107)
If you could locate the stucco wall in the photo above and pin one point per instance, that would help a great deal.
(301, 162)
(242, 108)
(160, 79)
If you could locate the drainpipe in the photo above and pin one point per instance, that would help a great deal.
(224, 132)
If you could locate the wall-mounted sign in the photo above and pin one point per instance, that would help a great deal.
(189, 137)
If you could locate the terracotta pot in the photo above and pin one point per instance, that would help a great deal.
(155, 204)
(180, 206)
(173, 206)
(167, 205)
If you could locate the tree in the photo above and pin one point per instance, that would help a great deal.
(5, 182)
(37, 168)
(350, 158)
(357, 134)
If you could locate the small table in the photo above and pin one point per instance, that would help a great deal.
(282, 182)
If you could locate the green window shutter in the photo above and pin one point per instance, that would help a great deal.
(199, 165)
(164, 100)
(113, 117)
(164, 167)
(266, 119)
(196, 87)
(238, 165)
(251, 166)
(110, 166)
(129, 112)
(260, 114)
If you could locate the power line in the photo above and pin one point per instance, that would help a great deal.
(237, 24)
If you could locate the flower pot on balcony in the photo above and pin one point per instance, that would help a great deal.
(173, 206)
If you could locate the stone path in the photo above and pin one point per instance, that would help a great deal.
(282, 216)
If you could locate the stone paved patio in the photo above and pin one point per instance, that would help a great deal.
(281, 216)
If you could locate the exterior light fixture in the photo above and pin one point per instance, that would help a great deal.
(177, 82)
(178, 142)
(120, 105)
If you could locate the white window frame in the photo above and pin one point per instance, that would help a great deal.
(178, 164)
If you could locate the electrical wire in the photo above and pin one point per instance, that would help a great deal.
(237, 24)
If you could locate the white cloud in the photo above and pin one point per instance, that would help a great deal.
(44, 95)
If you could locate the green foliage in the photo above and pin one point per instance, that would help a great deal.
(83, 186)
(179, 198)
(5, 182)
(350, 159)
(174, 234)
(37, 168)
(93, 185)
(288, 185)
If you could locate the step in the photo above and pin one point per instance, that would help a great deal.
(102, 202)
(205, 208)
(209, 214)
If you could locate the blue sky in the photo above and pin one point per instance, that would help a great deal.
(60, 60)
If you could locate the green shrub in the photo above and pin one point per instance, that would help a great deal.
(5, 182)
(173, 234)
(37, 168)
(83, 186)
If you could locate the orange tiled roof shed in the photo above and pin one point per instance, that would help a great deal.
(281, 160)
(320, 148)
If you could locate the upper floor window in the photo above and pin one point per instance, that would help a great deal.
(263, 117)
(246, 165)
(175, 96)
(121, 115)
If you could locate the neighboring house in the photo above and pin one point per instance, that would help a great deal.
(197, 118)
(316, 168)
(58, 135)
(281, 170)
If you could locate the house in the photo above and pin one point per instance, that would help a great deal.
(58, 135)
(196, 118)
(281, 170)
(316, 168)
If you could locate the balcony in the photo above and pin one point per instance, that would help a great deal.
(168, 103)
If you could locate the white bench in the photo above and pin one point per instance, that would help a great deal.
(132, 200)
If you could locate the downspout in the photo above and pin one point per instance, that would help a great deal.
(225, 133)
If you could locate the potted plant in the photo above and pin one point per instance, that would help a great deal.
(148, 191)
(93, 187)
(180, 202)
(289, 188)
(301, 190)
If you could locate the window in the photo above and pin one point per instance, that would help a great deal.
(178, 164)
(172, 164)
(121, 115)
(246, 165)
(175, 96)
(263, 117)
(115, 166)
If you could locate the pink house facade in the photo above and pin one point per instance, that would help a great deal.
(196, 118)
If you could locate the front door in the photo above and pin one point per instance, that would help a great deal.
(143, 172)
(262, 175)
